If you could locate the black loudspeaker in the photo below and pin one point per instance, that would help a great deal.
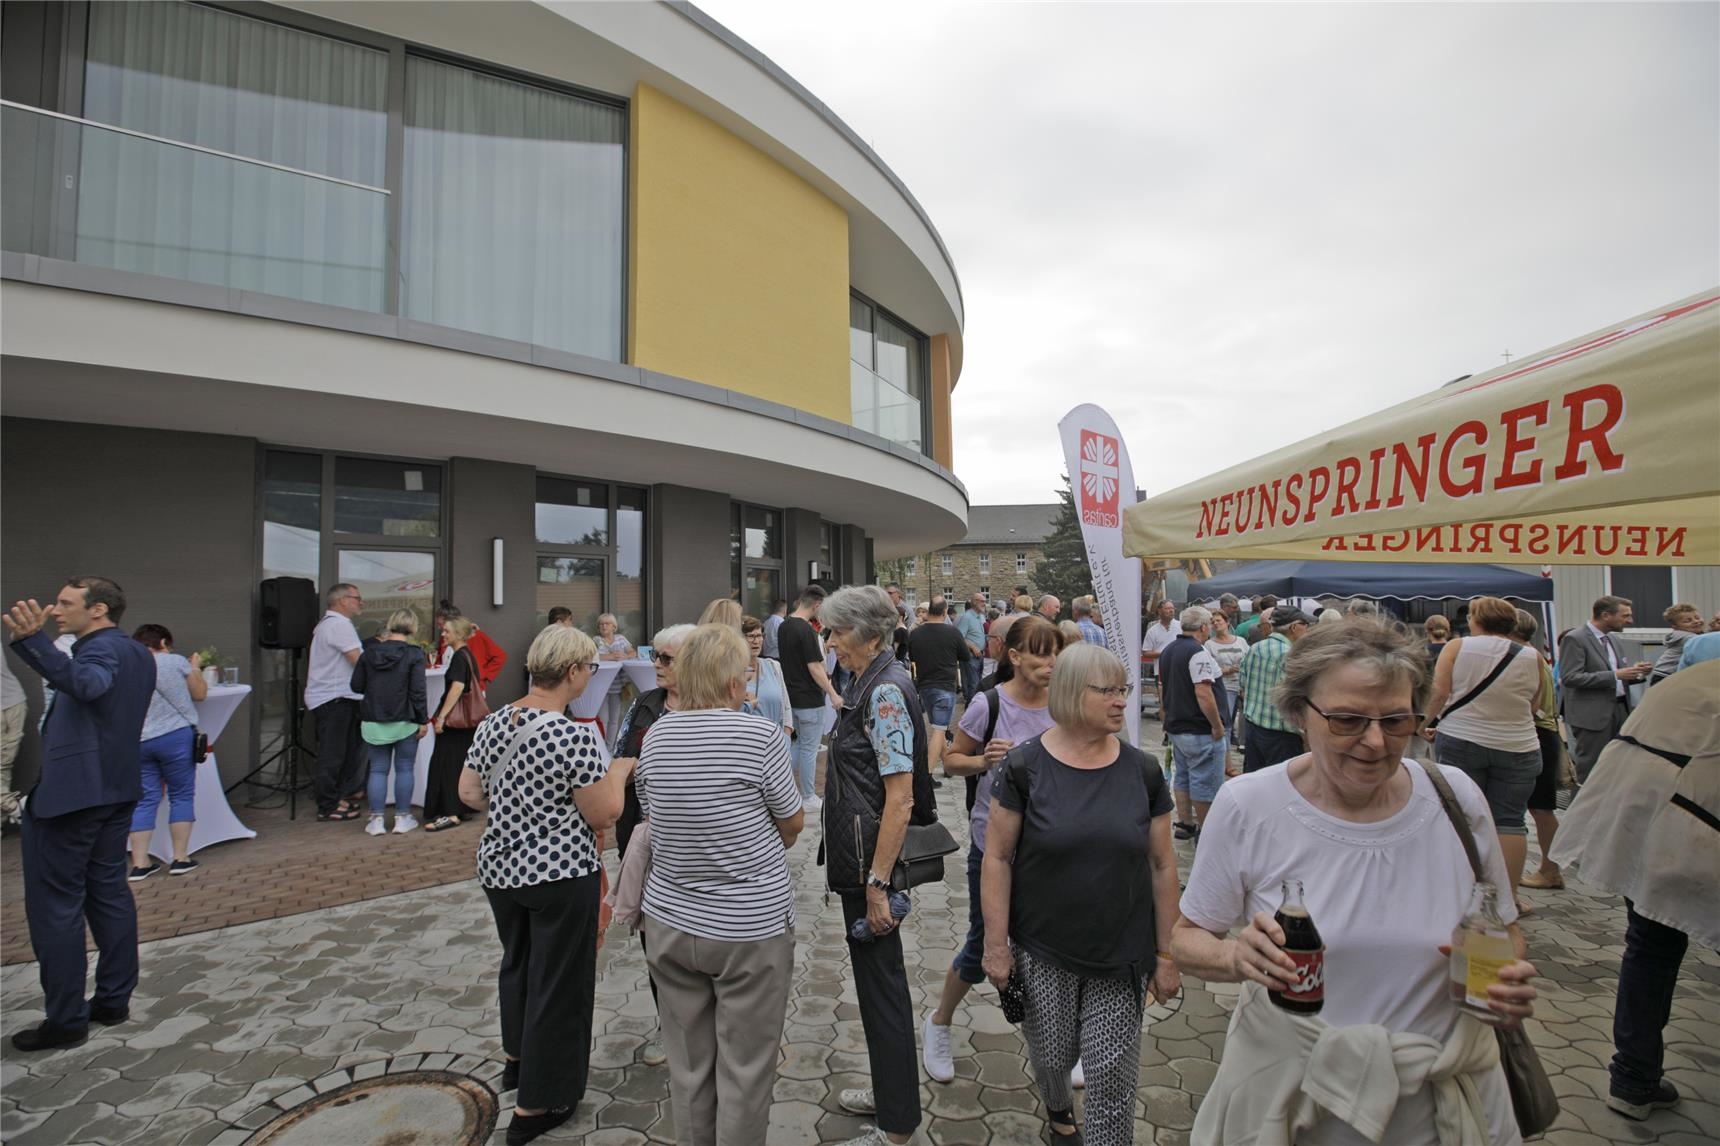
(286, 612)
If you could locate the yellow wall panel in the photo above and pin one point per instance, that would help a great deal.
(739, 268)
(943, 381)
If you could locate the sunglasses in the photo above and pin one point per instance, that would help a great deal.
(1355, 724)
(664, 659)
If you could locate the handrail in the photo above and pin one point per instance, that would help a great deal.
(193, 147)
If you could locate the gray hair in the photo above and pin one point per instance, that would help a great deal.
(1195, 617)
(1327, 615)
(1078, 666)
(555, 651)
(1393, 657)
(336, 592)
(610, 617)
(866, 609)
(1228, 600)
(1527, 626)
(1361, 608)
(1081, 606)
(671, 637)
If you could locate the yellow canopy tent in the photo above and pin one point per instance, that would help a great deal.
(1605, 450)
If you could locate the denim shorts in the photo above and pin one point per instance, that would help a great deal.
(1199, 765)
(1506, 778)
(939, 706)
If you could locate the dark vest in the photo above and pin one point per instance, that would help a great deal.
(1182, 709)
(854, 791)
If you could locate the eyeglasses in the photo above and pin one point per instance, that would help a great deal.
(588, 666)
(1355, 724)
(754, 636)
(1111, 692)
(664, 659)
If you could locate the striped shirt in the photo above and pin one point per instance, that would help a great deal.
(1262, 667)
(712, 782)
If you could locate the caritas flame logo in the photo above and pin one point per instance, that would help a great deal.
(1099, 480)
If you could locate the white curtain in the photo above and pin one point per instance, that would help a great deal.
(512, 210)
(246, 87)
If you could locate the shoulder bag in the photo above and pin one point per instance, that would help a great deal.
(1532, 1097)
(469, 711)
(1498, 671)
(924, 846)
(199, 738)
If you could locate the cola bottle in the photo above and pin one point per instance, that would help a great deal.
(1302, 943)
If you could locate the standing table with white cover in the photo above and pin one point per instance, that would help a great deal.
(216, 822)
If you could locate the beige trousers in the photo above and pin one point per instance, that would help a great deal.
(12, 722)
(722, 1008)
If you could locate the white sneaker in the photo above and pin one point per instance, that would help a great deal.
(374, 826)
(404, 824)
(1078, 1077)
(812, 803)
(935, 1052)
(859, 1100)
(875, 1137)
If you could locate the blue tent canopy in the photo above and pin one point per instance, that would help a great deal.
(1366, 579)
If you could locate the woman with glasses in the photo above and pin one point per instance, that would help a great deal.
(612, 645)
(1387, 880)
(543, 778)
(767, 693)
(1079, 886)
(647, 708)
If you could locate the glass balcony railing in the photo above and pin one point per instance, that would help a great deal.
(883, 409)
(91, 193)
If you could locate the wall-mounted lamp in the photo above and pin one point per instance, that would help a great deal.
(496, 572)
(812, 571)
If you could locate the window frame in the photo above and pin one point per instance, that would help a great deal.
(923, 345)
(610, 552)
(985, 564)
(1021, 560)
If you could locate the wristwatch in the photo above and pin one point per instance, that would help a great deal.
(882, 885)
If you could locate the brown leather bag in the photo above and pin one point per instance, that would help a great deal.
(469, 711)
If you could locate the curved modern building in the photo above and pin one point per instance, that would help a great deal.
(517, 303)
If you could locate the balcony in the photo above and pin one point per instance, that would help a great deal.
(90, 193)
(884, 409)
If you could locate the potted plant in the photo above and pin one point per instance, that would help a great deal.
(211, 661)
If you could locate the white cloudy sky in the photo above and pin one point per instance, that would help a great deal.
(1235, 226)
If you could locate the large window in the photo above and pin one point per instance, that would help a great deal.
(985, 563)
(756, 545)
(591, 553)
(309, 221)
(1647, 587)
(511, 218)
(887, 375)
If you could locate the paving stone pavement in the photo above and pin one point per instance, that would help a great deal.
(226, 1021)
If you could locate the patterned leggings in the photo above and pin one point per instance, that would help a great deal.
(1096, 1021)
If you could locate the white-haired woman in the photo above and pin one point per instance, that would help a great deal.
(394, 715)
(647, 708)
(875, 756)
(1080, 887)
(612, 645)
(723, 805)
(543, 778)
(1387, 880)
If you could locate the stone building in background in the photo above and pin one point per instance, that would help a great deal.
(1003, 546)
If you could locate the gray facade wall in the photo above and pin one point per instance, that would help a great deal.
(857, 555)
(689, 552)
(800, 549)
(170, 516)
(489, 500)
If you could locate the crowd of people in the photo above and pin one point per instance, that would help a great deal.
(1388, 771)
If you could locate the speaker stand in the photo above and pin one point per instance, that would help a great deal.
(292, 779)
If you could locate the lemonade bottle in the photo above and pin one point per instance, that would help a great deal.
(1480, 946)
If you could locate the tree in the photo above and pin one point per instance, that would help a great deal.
(1063, 572)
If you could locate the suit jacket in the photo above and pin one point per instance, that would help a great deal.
(1586, 679)
(91, 735)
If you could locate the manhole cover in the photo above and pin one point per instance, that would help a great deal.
(419, 1106)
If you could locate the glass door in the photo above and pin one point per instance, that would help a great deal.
(391, 579)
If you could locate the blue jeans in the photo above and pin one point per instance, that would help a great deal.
(808, 731)
(1200, 765)
(401, 754)
(1506, 778)
(166, 759)
(939, 705)
(1646, 978)
(967, 961)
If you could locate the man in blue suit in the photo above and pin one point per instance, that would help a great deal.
(77, 817)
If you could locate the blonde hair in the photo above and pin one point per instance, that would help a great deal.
(711, 660)
(722, 611)
(459, 628)
(1071, 632)
(404, 622)
(1078, 666)
(1436, 627)
(555, 651)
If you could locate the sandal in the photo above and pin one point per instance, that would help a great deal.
(340, 813)
(1538, 882)
(1062, 1118)
(442, 824)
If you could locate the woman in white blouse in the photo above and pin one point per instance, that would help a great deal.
(723, 807)
(544, 779)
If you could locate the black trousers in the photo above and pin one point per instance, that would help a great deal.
(548, 985)
(74, 870)
(341, 759)
(1264, 747)
(1647, 977)
(887, 1017)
